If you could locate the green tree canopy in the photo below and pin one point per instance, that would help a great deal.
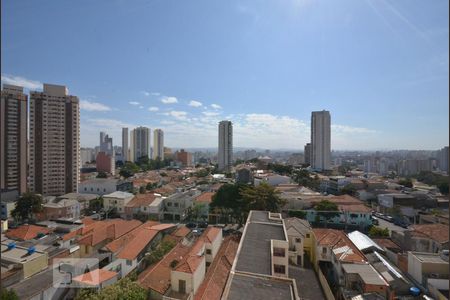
(124, 289)
(262, 197)
(375, 231)
(326, 205)
(406, 182)
(102, 174)
(6, 294)
(27, 206)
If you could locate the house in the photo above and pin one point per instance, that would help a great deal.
(27, 232)
(300, 240)
(60, 208)
(272, 179)
(83, 199)
(103, 186)
(213, 239)
(363, 278)
(429, 269)
(431, 238)
(148, 204)
(98, 279)
(129, 250)
(117, 200)
(178, 206)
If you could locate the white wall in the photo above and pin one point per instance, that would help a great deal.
(414, 267)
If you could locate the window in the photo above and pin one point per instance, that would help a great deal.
(145, 208)
(307, 236)
(129, 262)
(169, 203)
(182, 286)
(324, 250)
(85, 188)
(280, 269)
(208, 251)
(175, 204)
(279, 252)
(298, 240)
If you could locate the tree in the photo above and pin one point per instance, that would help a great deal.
(301, 214)
(197, 210)
(142, 189)
(150, 186)
(124, 289)
(129, 169)
(327, 210)
(228, 200)
(280, 169)
(303, 178)
(375, 231)
(27, 206)
(102, 174)
(407, 182)
(262, 197)
(95, 205)
(6, 294)
(349, 189)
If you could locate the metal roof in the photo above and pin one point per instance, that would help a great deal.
(362, 241)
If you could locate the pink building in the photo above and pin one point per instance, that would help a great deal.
(105, 163)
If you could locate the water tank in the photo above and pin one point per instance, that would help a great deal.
(31, 250)
(11, 245)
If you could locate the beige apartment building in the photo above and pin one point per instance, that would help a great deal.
(158, 144)
(54, 141)
(13, 139)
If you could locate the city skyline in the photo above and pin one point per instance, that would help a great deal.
(395, 94)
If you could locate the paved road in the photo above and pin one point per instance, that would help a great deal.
(308, 285)
(390, 226)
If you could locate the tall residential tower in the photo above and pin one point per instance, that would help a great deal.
(13, 139)
(54, 141)
(158, 144)
(320, 140)
(139, 143)
(125, 144)
(225, 155)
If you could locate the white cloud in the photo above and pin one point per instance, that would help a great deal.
(153, 108)
(344, 129)
(93, 106)
(156, 94)
(194, 103)
(210, 113)
(179, 115)
(216, 106)
(169, 100)
(134, 103)
(146, 94)
(21, 81)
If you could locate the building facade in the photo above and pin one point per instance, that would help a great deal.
(125, 153)
(139, 143)
(225, 155)
(105, 163)
(158, 144)
(54, 141)
(13, 139)
(307, 157)
(185, 158)
(321, 140)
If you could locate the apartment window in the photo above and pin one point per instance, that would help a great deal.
(208, 251)
(280, 269)
(169, 203)
(307, 236)
(280, 252)
(324, 250)
(129, 262)
(298, 240)
(85, 189)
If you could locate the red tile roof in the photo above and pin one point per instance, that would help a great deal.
(120, 243)
(216, 277)
(437, 232)
(205, 197)
(193, 258)
(162, 226)
(341, 245)
(141, 200)
(211, 233)
(26, 232)
(95, 277)
(181, 232)
(135, 246)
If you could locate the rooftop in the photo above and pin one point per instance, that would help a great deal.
(95, 277)
(249, 287)
(363, 242)
(437, 232)
(429, 257)
(341, 245)
(141, 200)
(367, 273)
(119, 194)
(26, 232)
(257, 237)
(205, 197)
(301, 226)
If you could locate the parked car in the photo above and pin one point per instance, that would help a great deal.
(389, 219)
(203, 224)
(191, 225)
(375, 221)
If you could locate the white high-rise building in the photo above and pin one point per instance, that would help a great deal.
(225, 155)
(443, 157)
(54, 141)
(158, 144)
(125, 154)
(106, 144)
(139, 143)
(320, 140)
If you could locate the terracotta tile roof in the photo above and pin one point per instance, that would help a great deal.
(181, 232)
(157, 277)
(205, 197)
(95, 277)
(87, 220)
(387, 243)
(340, 244)
(100, 231)
(354, 208)
(71, 235)
(437, 232)
(135, 246)
(162, 226)
(193, 258)
(120, 243)
(216, 277)
(141, 200)
(211, 233)
(26, 232)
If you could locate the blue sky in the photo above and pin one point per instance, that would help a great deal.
(380, 67)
